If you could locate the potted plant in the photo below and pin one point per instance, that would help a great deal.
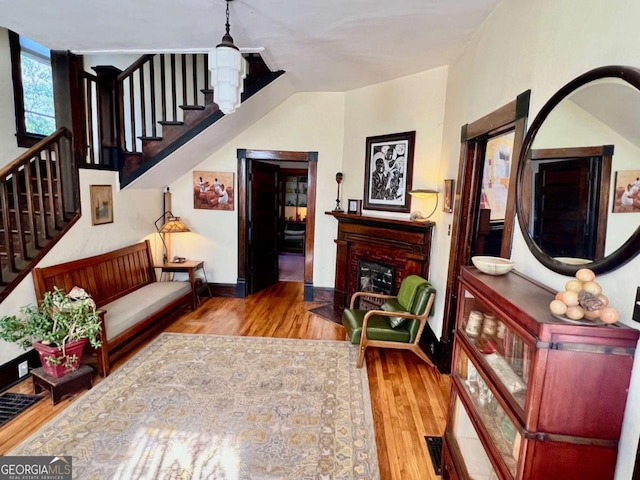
(58, 329)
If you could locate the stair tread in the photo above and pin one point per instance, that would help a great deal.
(192, 107)
(170, 122)
(153, 139)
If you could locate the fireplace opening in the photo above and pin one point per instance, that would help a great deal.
(375, 278)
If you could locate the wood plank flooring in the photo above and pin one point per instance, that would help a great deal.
(409, 398)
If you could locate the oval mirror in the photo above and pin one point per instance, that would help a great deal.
(578, 200)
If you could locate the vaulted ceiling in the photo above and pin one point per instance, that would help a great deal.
(324, 45)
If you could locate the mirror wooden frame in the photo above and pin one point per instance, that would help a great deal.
(631, 247)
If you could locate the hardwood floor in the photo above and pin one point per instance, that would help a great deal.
(409, 398)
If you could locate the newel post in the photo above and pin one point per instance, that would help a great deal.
(67, 98)
(109, 100)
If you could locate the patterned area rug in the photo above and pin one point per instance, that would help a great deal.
(219, 407)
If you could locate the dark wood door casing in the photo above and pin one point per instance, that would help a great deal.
(474, 136)
(594, 165)
(246, 156)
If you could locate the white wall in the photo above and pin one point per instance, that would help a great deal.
(415, 102)
(8, 147)
(133, 214)
(523, 45)
(541, 46)
(336, 126)
(305, 122)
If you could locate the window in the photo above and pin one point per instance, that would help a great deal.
(33, 90)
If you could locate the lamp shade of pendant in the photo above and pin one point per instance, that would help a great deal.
(228, 70)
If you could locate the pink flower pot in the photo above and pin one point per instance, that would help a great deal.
(57, 371)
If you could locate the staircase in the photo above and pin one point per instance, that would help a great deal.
(38, 203)
(126, 120)
(157, 105)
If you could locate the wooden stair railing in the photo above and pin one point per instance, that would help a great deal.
(32, 206)
(150, 109)
(160, 97)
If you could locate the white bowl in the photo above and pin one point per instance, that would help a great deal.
(493, 265)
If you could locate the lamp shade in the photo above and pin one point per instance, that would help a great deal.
(228, 70)
(422, 193)
(174, 225)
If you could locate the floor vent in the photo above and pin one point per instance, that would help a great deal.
(12, 404)
(434, 444)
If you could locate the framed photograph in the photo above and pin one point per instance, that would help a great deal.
(627, 191)
(101, 204)
(388, 172)
(354, 206)
(447, 205)
(213, 190)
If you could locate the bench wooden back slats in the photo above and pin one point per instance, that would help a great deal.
(102, 276)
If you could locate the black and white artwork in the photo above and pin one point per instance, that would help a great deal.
(388, 172)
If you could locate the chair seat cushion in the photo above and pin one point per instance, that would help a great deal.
(378, 327)
(394, 306)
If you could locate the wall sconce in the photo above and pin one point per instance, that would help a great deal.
(172, 224)
(423, 194)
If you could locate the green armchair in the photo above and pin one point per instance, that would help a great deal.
(398, 324)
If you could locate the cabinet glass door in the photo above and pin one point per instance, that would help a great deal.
(475, 458)
(502, 350)
(498, 425)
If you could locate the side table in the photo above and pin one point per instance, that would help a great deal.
(59, 387)
(190, 267)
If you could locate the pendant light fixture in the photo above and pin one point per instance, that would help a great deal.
(228, 70)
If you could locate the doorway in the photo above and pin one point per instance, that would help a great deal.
(467, 229)
(250, 280)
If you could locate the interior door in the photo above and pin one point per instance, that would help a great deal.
(564, 225)
(262, 217)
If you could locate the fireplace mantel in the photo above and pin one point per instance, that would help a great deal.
(403, 244)
(382, 221)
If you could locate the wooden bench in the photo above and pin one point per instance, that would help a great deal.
(123, 283)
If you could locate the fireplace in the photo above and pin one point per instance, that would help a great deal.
(396, 248)
(375, 278)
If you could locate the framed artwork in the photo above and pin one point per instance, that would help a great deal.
(627, 191)
(354, 206)
(101, 204)
(213, 190)
(447, 205)
(388, 172)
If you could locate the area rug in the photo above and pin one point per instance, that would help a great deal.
(221, 407)
(290, 268)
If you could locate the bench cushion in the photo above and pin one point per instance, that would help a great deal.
(140, 304)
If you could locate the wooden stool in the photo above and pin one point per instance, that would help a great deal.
(59, 387)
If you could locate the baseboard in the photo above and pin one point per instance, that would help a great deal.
(317, 294)
(239, 290)
(9, 371)
(323, 294)
(229, 290)
(431, 345)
